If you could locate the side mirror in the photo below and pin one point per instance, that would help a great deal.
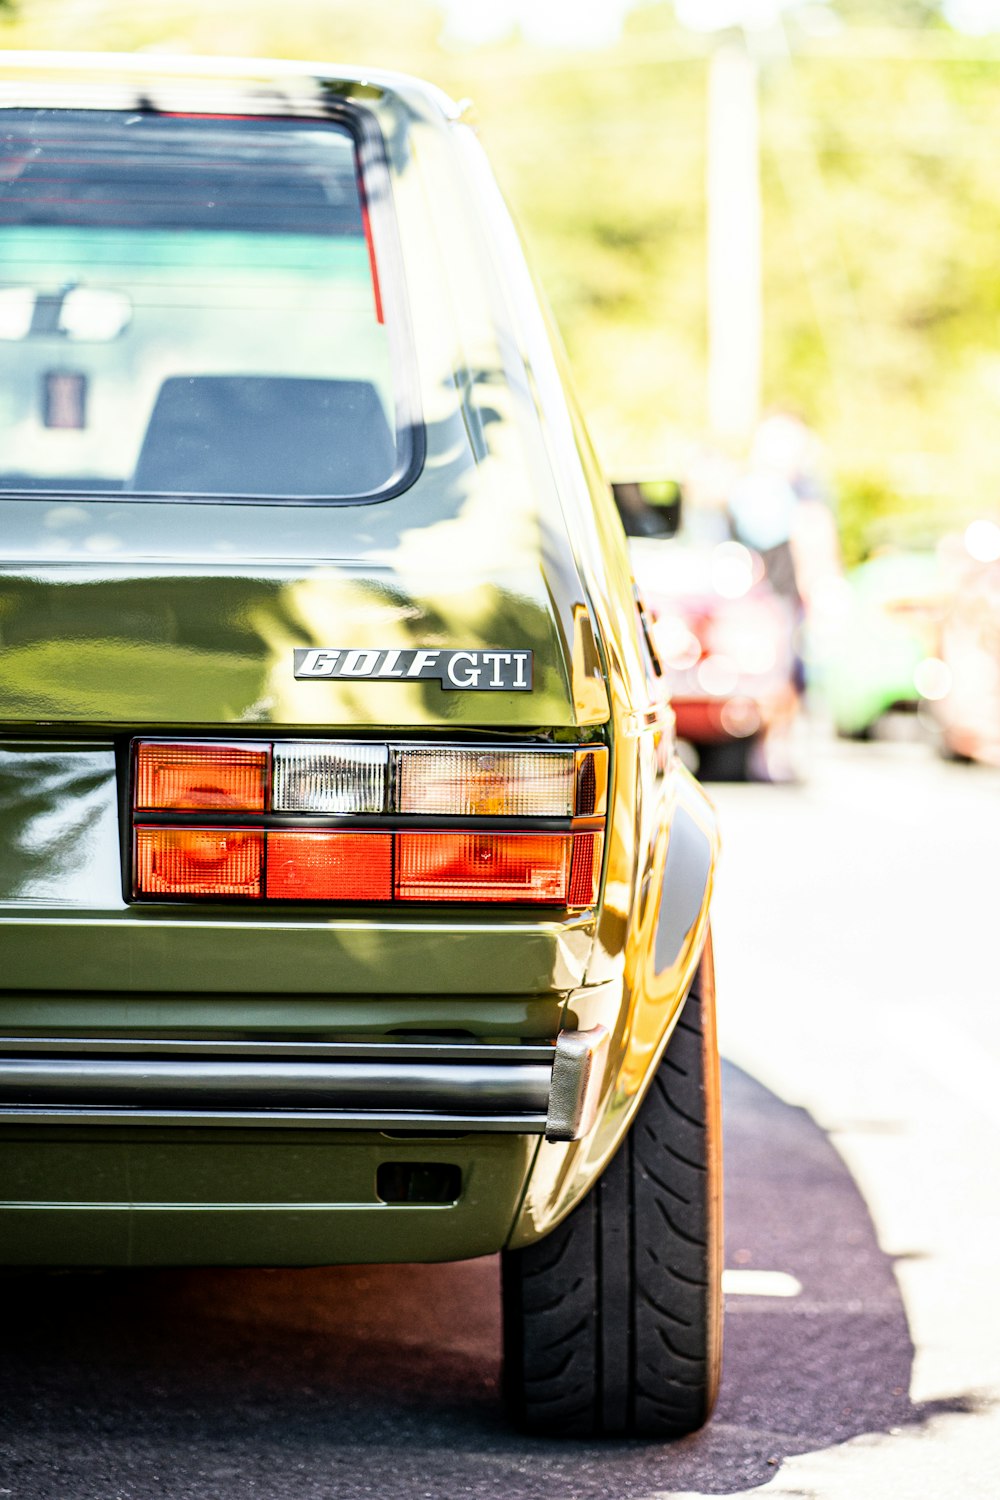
(649, 507)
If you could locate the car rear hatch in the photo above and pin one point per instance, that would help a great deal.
(136, 615)
(255, 492)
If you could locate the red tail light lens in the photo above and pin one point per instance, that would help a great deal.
(199, 861)
(483, 866)
(585, 872)
(227, 777)
(329, 866)
(317, 820)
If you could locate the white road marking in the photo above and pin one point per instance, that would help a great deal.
(744, 1283)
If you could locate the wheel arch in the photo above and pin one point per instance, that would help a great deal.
(668, 939)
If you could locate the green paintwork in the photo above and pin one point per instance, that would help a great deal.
(160, 645)
(482, 1015)
(180, 1199)
(272, 953)
(126, 617)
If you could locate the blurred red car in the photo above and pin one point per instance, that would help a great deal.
(726, 642)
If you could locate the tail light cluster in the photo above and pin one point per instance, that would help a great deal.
(316, 820)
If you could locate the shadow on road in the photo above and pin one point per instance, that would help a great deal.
(383, 1381)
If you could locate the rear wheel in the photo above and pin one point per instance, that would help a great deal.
(613, 1322)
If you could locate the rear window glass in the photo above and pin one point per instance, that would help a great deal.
(190, 306)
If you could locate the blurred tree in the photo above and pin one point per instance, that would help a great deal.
(890, 12)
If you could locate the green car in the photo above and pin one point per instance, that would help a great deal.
(874, 650)
(353, 904)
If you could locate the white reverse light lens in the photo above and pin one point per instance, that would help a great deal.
(497, 783)
(317, 777)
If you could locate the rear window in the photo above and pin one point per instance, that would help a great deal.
(192, 306)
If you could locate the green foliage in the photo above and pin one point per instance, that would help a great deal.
(890, 12)
(869, 513)
(883, 312)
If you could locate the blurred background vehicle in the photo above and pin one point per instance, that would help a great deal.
(967, 708)
(724, 636)
(874, 647)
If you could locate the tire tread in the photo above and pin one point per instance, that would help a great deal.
(609, 1322)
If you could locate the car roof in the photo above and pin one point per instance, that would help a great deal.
(261, 84)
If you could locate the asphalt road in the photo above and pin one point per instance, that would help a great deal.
(857, 924)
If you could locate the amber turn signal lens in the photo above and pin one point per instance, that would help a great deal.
(485, 783)
(330, 866)
(198, 861)
(230, 778)
(592, 781)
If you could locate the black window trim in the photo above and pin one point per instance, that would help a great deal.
(411, 437)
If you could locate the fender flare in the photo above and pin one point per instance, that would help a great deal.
(666, 939)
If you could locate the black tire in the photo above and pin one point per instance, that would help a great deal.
(861, 735)
(726, 760)
(613, 1322)
(949, 753)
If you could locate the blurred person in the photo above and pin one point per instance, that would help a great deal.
(780, 507)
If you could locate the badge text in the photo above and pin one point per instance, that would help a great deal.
(468, 671)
